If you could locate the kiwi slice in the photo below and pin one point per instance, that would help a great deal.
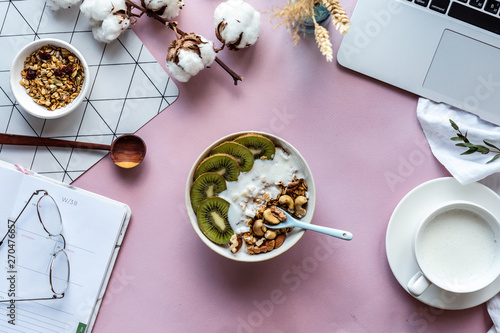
(222, 164)
(241, 153)
(259, 145)
(212, 219)
(205, 186)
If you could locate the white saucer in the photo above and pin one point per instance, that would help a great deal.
(400, 234)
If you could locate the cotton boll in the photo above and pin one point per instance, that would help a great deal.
(237, 24)
(188, 55)
(167, 9)
(111, 28)
(57, 4)
(107, 17)
(98, 10)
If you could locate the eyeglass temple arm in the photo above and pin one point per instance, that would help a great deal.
(33, 299)
(17, 218)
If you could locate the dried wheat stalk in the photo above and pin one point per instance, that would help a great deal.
(322, 37)
(339, 16)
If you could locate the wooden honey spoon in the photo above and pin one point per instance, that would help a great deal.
(127, 151)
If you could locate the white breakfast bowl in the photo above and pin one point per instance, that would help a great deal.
(19, 91)
(292, 237)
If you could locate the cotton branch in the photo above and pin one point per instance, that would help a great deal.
(173, 25)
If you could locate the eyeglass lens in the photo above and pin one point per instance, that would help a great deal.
(59, 274)
(49, 215)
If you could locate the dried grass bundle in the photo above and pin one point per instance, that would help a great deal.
(292, 13)
(299, 10)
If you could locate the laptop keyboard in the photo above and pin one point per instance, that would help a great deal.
(480, 13)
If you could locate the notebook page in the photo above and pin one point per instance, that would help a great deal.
(9, 182)
(91, 226)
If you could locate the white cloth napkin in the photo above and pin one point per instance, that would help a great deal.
(434, 119)
(493, 306)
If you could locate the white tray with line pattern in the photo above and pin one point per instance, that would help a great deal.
(128, 88)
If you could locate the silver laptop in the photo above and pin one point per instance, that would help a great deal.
(447, 51)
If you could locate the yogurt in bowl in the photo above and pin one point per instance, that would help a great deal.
(273, 180)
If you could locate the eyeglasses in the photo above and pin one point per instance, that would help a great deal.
(51, 221)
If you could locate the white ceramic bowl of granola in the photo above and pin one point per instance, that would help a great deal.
(22, 97)
(292, 237)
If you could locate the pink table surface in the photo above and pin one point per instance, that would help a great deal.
(354, 132)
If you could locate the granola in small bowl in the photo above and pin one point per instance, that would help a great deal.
(49, 78)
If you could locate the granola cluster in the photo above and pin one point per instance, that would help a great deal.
(260, 239)
(52, 76)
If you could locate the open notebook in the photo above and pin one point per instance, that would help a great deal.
(93, 226)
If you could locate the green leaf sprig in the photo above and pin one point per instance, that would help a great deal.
(473, 148)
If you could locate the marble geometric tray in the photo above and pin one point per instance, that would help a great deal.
(128, 88)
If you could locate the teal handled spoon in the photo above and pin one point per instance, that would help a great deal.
(291, 222)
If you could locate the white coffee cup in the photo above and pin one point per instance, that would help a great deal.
(457, 248)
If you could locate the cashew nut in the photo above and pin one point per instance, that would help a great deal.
(269, 217)
(270, 234)
(258, 228)
(286, 199)
(299, 201)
